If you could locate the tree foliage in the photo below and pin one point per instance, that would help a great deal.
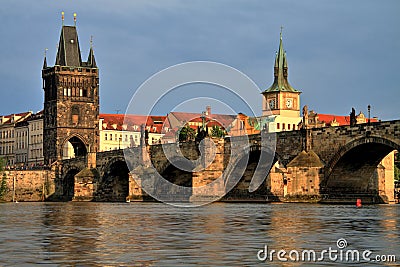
(396, 172)
(217, 131)
(186, 133)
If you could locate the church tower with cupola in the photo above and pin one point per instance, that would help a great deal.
(71, 100)
(281, 102)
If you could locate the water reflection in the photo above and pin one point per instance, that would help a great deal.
(153, 234)
(69, 230)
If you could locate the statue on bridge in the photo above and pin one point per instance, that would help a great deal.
(304, 123)
(353, 120)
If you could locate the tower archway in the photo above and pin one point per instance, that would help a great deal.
(73, 147)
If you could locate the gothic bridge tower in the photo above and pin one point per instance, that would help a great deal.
(71, 101)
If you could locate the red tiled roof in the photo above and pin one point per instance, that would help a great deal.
(328, 118)
(21, 115)
(342, 120)
(218, 119)
(122, 122)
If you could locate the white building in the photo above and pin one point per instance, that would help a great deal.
(118, 131)
(35, 151)
(21, 144)
(7, 136)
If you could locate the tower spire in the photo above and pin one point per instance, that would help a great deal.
(281, 82)
(68, 52)
(75, 19)
(62, 18)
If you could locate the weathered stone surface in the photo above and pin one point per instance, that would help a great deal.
(30, 185)
(306, 159)
(85, 185)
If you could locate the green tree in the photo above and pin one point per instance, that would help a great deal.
(3, 183)
(186, 133)
(396, 173)
(217, 131)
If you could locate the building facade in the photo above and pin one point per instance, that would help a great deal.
(21, 144)
(35, 150)
(119, 131)
(7, 135)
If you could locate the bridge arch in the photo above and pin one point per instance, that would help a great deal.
(240, 190)
(114, 184)
(176, 176)
(352, 170)
(73, 146)
(68, 183)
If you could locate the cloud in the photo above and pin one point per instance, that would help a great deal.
(340, 54)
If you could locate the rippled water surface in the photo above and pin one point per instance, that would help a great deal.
(154, 234)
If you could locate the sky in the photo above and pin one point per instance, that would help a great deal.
(341, 53)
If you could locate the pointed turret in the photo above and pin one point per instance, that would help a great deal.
(69, 53)
(281, 83)
(91, 62)
(44, 62)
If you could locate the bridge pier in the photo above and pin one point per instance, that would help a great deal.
(304, 174)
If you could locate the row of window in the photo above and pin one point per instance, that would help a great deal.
(278, 125)
(75, 92)
(36, 153)
(21, 158)
(109, 137)
(22, 141)
(7, 134)
(21, 144)
(153, 141)
(36, 126)
(37, 139)
(21, 134)
(4, 150)
(10, 133)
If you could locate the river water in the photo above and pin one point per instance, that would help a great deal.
(220, 234)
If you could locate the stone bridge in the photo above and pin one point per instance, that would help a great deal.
(330, 164)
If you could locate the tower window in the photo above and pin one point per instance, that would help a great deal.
(80, 92)
(69, 91)
(278, 126)
(283, 126)
(75, 115)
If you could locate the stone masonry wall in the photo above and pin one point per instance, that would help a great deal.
(30, 185)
